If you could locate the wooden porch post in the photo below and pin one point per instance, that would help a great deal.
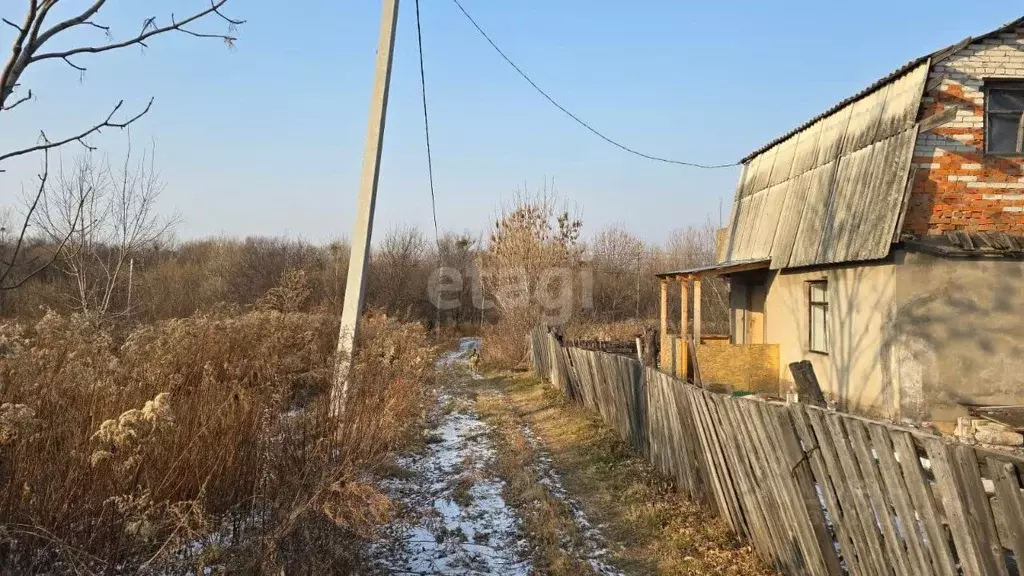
(696, 311)
(684, 308)
(683, 369)
(664, 308)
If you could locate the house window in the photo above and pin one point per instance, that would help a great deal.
(818, 316)
(1004, 118)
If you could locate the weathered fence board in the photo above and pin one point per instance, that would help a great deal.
(814, 491)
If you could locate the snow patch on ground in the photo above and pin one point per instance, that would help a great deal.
(457, 522)
(595, 547)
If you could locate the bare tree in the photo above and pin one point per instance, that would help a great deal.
(617, 258)
(34, 42)
(398, 272)
(102, 217)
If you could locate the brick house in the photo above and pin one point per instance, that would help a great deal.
(883, 241)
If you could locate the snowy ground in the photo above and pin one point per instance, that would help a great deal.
(595, 548)
(457, 521)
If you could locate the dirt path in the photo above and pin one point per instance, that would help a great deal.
(464, 507)
(607, 505)
(512, 481)
(454, 519)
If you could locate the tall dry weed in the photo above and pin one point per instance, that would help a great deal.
(209, 433)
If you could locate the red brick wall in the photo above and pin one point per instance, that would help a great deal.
(958, 187)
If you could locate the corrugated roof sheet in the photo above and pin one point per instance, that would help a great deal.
(902, 70)
(997, 244)
(831, 191)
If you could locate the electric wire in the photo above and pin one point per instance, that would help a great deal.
(578, 120)
(430, 159)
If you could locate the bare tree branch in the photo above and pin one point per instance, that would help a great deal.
(149, 30)
(31, 39)
(80, 138)
(12, 264)
(22, 100)
(95, 25)
(33, 36)
(73, 65)
(11, 24)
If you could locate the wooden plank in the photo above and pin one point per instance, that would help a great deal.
(935, 82)
(879, 502)
(979, 512)
(696, 313)
(786, 548)
(723, 482)
(785, 461)
(1008, 492)
(803, 481)
(924, 503)
(911, 177)
(727, 439)
(861, 531)
(695, 364)
(807, 383)
(947, 485)
(664, 312)
(783, 517)
(938, 120)
(870, 541)
(657, 449)
(839, 523)
(684, 307)
(697, 466)
(687, 451)
(712, 466)
(762, 532)
(898, 493)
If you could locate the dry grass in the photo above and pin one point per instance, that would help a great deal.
(197, 441)
(507, 346)
(656, 530)
(547, 521)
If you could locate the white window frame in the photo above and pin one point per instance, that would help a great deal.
(821, 308)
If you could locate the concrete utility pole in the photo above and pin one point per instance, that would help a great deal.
(355, 286)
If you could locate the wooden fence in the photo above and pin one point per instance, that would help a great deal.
(624, 347)
(814, 491)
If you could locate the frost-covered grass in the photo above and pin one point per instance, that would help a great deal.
(204, 442)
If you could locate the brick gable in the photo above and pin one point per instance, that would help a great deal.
(956, 186)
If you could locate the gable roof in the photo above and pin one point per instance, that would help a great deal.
(940, 54)
(833, 190)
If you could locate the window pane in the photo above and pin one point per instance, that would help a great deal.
(1006, 100)
(1002, 133)
(819, 329)
(819, 292)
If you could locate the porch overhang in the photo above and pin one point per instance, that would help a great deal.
(723, 269)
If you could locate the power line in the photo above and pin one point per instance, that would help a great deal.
(426, 127)
(430, 160)
(575, 117)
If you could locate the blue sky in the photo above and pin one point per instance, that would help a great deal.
(267, 138)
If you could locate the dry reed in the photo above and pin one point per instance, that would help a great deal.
(204, 441)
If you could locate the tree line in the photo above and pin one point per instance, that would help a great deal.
(116, 260)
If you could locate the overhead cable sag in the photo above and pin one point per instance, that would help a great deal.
(576, 118)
